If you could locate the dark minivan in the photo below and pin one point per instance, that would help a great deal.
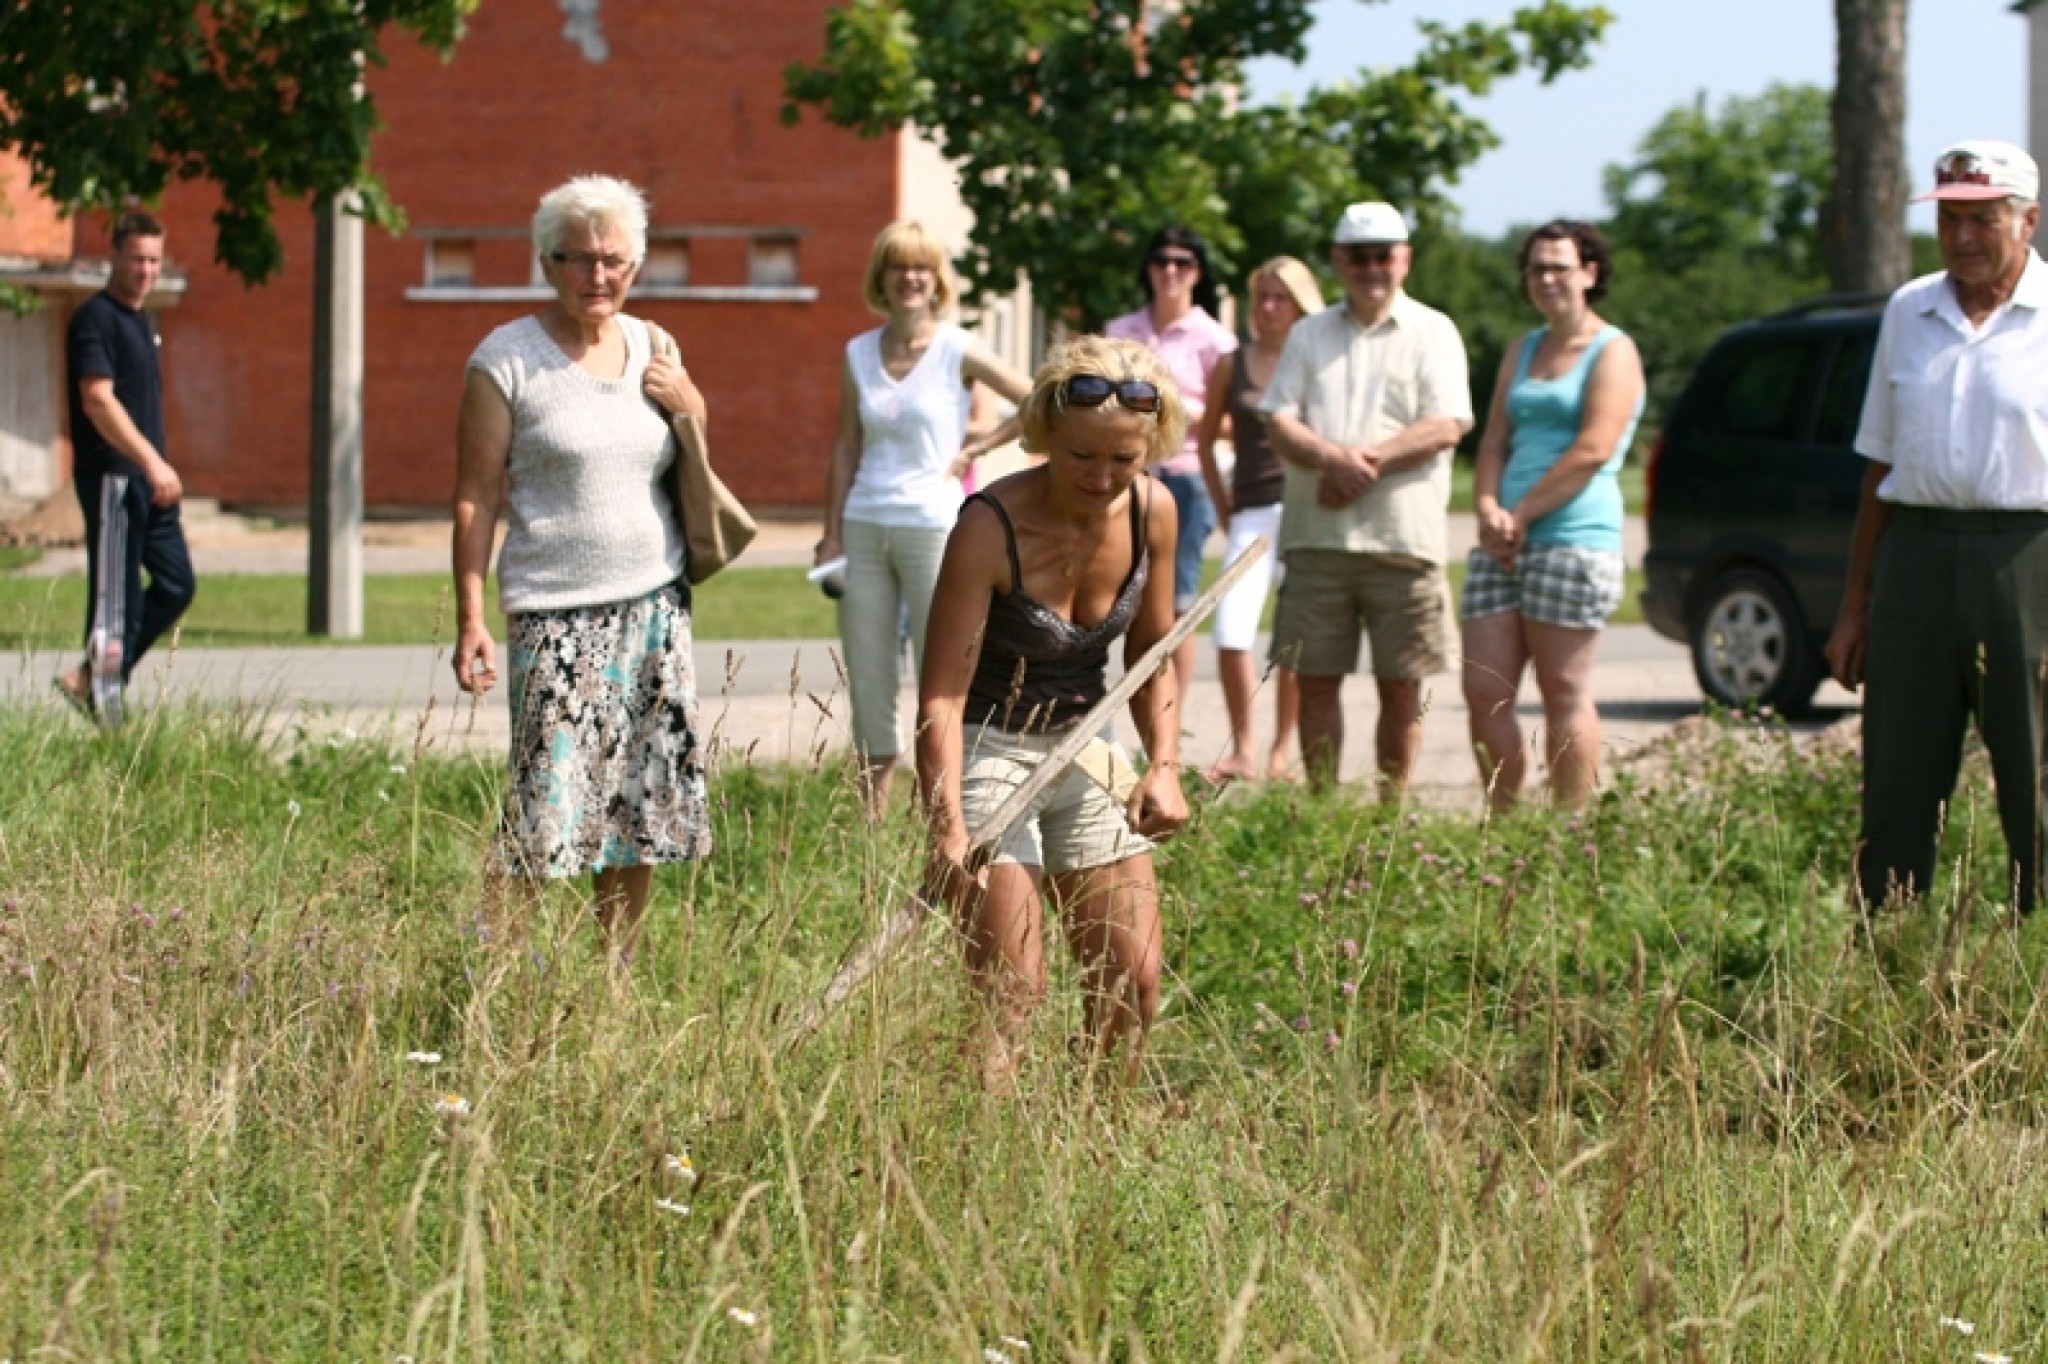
(1752, 492)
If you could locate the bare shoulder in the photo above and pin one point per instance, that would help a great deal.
(977, 543)
(1162, 517)
(1619, 358)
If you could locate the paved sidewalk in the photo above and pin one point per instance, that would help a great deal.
(225, 544)
(781, 701)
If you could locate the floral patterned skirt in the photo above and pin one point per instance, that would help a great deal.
(607, 771)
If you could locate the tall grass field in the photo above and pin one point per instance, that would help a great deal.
(283, 1077)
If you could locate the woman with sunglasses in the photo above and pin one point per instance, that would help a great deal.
(1178, 323)
(1045, 570)
(894, 485)
(1548, 570)
(1283, 291)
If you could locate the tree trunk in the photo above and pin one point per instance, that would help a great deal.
(1866, 242)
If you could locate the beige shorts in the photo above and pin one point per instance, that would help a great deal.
(1074, 824)
(1401, 603)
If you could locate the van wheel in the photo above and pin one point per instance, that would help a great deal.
(1750, 646)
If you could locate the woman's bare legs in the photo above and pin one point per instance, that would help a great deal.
(1112, 921)
(621, 901)
(1564, 674)
(1495, 655)
(1240, 684)
(1286, 721)
(1005, 930)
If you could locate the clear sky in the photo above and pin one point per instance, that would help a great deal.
(1965, 77)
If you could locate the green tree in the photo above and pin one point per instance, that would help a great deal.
(111, 100)
(1753, 178)
(1717, 220)
(1080, 126)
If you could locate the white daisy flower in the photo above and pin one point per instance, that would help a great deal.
(743, 1316)
(292, 808)
(452, 1106)
(670, 1205)
(1984, 1357)
(991, 1355)
(680, 1167)
(424, 1058)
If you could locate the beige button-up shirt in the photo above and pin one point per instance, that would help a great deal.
(1358, 385)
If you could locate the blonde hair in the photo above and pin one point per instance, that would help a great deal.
(594, 201)
(1297, 279)
(1114, 360)
(908, 242)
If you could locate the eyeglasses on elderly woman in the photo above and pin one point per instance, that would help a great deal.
(1093, 390)
(585, 262)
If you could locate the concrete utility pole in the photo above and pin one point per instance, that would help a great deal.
(334, 568)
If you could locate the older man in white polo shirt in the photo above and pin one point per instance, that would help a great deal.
(1946, 611)
(1364, 407)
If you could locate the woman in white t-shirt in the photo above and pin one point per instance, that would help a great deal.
(894, 486)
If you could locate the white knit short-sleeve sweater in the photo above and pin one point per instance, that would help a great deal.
(591, 518)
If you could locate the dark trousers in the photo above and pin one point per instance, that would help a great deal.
(124, 535)
(1958, 631)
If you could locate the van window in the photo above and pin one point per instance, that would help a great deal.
(1762, 396)
(1841, 406)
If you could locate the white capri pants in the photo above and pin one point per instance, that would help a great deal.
(1237, 615)
(887, 569)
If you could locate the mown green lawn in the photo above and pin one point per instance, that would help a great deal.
(270, 609)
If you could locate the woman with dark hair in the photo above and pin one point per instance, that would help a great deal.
(1548, 569)
(1178, 324)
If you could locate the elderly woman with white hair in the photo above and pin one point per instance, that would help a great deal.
(565, 417)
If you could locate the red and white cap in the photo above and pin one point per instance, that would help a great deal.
(1983, 169)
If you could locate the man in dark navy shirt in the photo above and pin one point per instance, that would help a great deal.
(126, 486)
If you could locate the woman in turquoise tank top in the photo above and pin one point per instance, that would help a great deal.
(1548, 571)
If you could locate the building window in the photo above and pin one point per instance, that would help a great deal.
(771, 263)
(667, 265)
(451, 264)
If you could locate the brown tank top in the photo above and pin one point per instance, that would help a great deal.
(1257, 480)
(1039, 671)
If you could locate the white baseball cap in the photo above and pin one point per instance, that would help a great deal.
(1983, 169)
(1371, 222)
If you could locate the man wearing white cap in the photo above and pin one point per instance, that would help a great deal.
(1945, 615)
(1364, 407)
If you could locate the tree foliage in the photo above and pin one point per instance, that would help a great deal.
(110, 101)
(1081, 126)
(1716, 220)
(1754, 177)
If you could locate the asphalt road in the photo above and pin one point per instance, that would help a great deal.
(782, 701)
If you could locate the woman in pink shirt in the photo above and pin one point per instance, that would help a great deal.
(1178, 323)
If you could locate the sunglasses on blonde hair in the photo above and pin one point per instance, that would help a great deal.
(1093, 390)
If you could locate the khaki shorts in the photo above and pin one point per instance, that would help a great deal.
(1075, 824)
(1402, 604)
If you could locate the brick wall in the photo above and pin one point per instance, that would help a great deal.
(685, 106)
(29, 224)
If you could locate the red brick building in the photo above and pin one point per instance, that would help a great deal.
(758, 238)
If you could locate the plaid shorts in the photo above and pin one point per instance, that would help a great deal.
(1577, 589)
